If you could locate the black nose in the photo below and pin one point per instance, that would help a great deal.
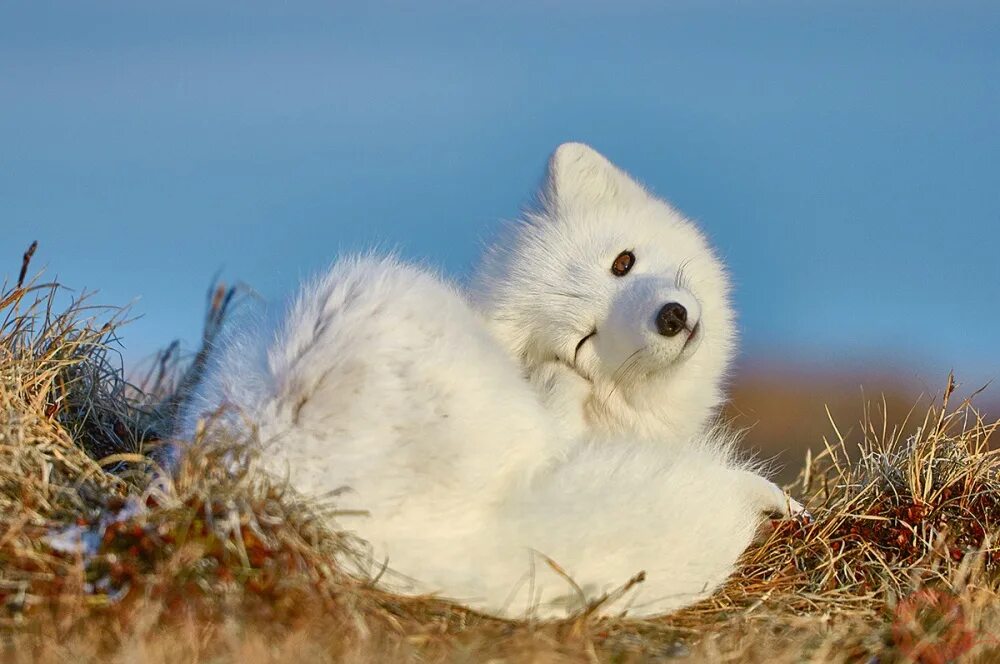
(671, 319)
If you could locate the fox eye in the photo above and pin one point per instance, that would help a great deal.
(623, 263)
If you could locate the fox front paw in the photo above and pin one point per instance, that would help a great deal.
(787, 507)
(775, 502)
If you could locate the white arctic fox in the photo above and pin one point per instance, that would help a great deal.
(381, 377)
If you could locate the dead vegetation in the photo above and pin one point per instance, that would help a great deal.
(105, 557)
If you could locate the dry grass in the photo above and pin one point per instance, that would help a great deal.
(103, 558)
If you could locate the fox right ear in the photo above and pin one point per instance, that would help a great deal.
(580, 177)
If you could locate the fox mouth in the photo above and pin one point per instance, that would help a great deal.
(579, 345)
(690, 344)
(573, 364)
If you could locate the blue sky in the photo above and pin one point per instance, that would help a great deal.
(845, 157)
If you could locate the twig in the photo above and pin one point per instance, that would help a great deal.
(25, 262)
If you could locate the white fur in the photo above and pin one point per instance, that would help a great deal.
(379, 376)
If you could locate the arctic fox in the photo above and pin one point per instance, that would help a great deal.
(381, 377)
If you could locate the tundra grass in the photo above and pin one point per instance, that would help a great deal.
(104, 557)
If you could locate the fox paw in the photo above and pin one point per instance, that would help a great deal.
(782, 505)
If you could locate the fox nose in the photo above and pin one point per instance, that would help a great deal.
(671, 319)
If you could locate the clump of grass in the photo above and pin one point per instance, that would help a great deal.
(903, 504)
(903, 550)
(104, 555)
(59, 397)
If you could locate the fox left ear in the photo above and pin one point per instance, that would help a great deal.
(580, 177)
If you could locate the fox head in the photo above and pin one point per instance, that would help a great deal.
(616, 284)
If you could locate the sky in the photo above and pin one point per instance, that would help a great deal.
(844, 157)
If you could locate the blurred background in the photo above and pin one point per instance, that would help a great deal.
(844, 157)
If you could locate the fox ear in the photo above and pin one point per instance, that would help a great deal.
(580, 177)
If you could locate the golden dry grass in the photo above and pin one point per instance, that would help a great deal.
(220, 563)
